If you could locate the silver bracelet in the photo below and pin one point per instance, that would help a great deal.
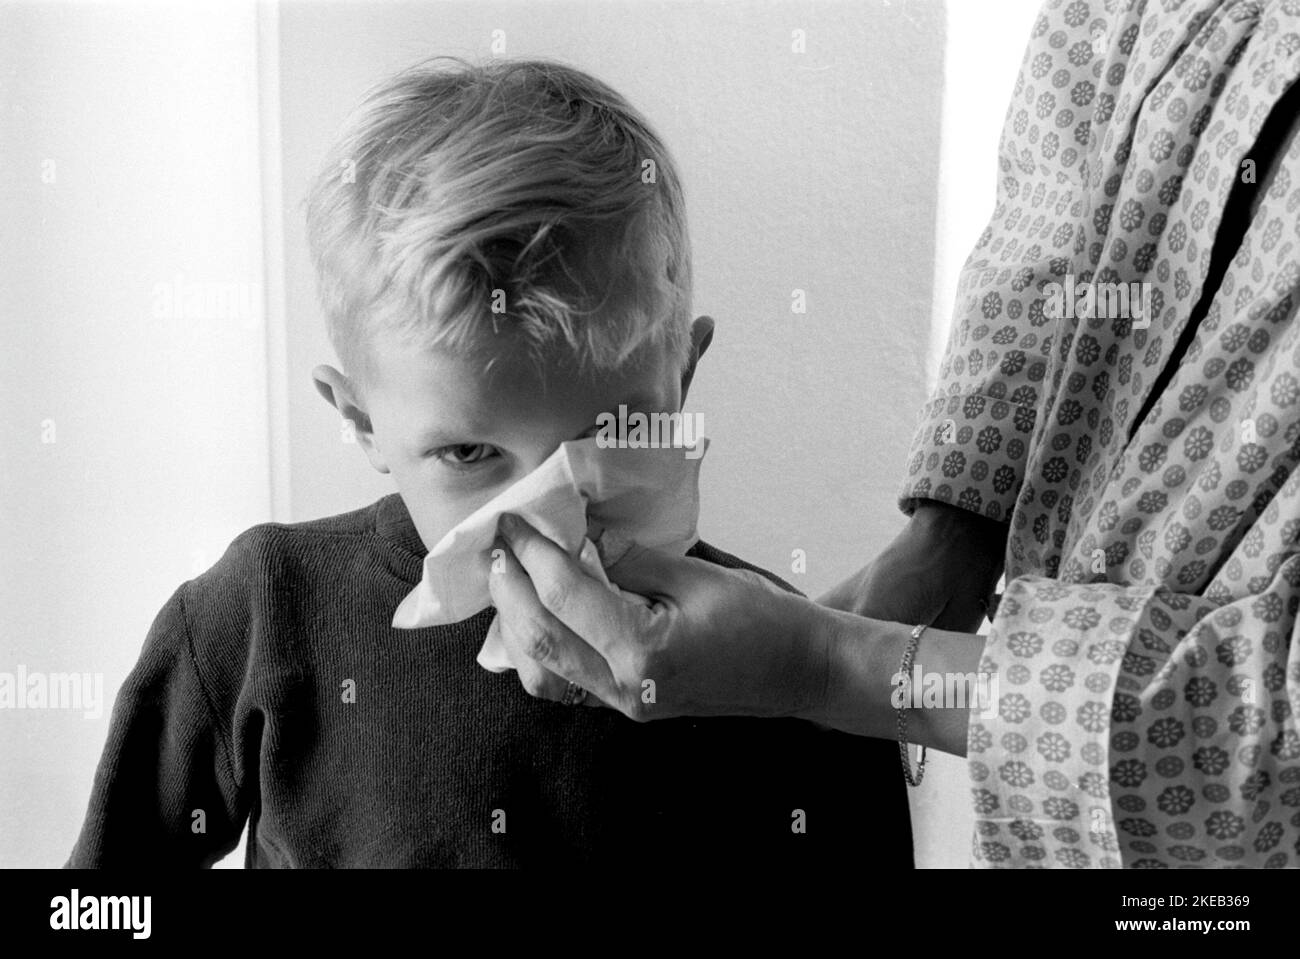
(906, 669)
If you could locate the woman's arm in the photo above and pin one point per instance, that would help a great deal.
(942, 568)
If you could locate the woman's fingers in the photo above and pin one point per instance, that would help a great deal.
(559, 586)
(547, 654)
(536, 679)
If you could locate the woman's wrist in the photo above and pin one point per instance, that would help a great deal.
(855, 689)
(861, 665)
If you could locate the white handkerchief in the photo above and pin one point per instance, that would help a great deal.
(594, 503)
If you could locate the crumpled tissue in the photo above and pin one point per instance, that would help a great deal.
(595, 503)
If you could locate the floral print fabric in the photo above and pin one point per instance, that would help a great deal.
(1148, 678)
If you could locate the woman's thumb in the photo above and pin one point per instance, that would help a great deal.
(649, 572)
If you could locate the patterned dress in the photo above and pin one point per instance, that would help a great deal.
(1144, 656)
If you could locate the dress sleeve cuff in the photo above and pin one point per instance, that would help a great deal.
(1037, 750)
(969, 451)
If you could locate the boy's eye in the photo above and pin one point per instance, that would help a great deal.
(464, 454)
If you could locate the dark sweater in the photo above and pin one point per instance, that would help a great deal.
(237, 709)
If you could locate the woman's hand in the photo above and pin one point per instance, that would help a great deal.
(701, 640)
(942, 569)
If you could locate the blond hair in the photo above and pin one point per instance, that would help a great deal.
(463, 201)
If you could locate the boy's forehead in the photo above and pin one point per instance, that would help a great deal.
(453, 381)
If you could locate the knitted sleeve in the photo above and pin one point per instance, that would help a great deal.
(167, 791)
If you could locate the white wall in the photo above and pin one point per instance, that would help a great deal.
(816, 171)
(135, 438)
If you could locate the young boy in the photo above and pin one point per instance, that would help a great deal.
(503, 256)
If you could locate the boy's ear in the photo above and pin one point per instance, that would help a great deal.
(701, 337)
(341, 393)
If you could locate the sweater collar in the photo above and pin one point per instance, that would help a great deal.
(393, 523)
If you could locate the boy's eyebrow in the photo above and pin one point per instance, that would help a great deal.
(447, 434)
(431, 438)
(437, 436)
